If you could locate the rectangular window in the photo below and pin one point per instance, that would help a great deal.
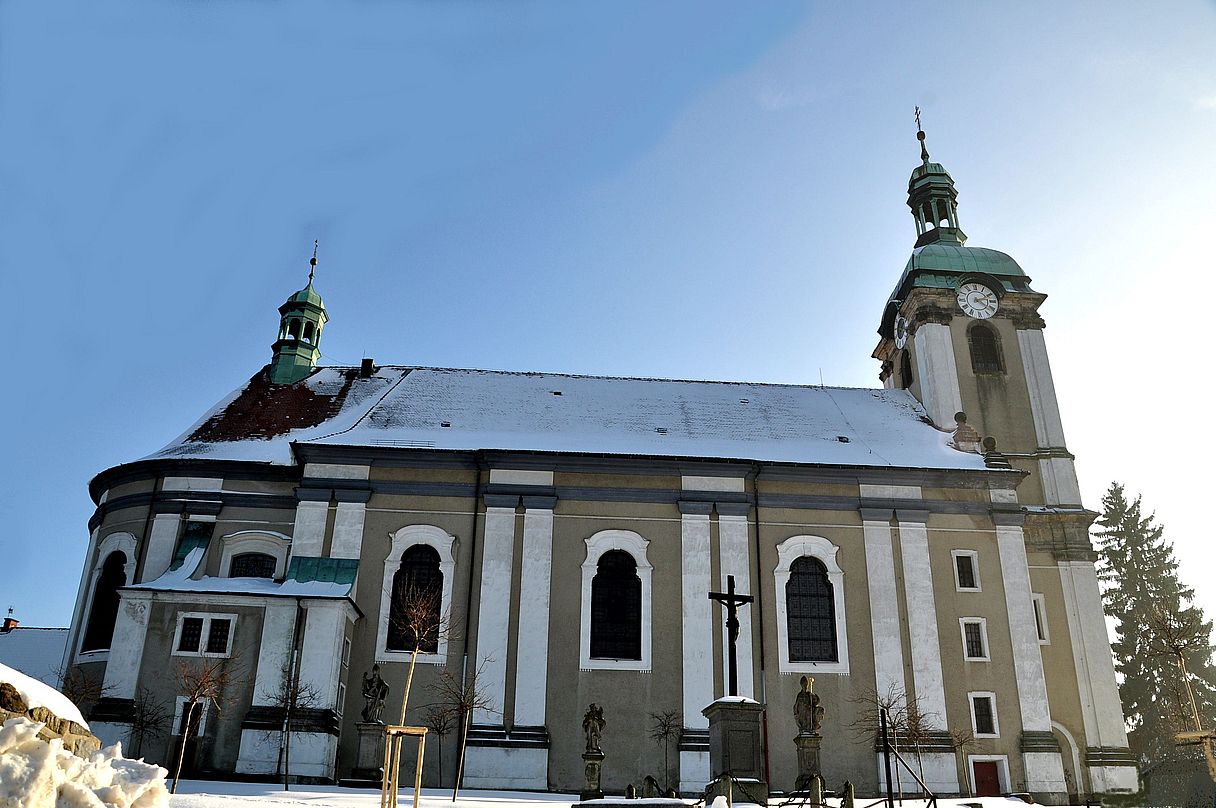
(189, 635)
(975, 639)
(966, 570)
(197, 716)
(346, 651)
(1040, 618)
(201, 634)
(341, 698)
(983, 715)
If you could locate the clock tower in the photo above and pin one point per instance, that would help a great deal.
(962, 333)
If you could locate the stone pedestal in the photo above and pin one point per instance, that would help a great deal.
(369, 758)
(808, 759)
(735, 745)
(593, 762)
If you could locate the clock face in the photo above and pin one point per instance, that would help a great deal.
(901, 331)
(977, 300)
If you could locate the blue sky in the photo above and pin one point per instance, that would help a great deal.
(698, 190)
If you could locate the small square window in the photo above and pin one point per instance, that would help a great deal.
(975, 639)
(217, 637)
(966, 570)
(190, 635)
(983, 715)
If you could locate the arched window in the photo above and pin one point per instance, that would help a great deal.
(985, 350)
(308, 330)
(810, 610)
(105, 603)
(293, 329)
(905, 370)
(252, 565)
(616, 608)
(809, 589)
(421, 557)
(416, 601)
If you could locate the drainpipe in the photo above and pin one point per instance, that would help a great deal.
(759, 607)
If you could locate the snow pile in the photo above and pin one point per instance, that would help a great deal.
(39, 774)
(39, 694)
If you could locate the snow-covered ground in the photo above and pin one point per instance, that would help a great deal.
(212, 794)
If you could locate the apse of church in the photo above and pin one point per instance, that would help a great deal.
(924, 540)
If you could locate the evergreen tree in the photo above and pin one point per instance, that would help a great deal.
(1154, 622)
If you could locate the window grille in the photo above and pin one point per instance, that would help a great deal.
(985, 350)
(191, 635)
(104, 613)
(965, 566)
(217, 637)
(616, 608)
(974, 633)
(416, 601)
(252, 565)
(810, 612)
(985, 724)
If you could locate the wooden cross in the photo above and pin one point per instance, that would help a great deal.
(732, 602)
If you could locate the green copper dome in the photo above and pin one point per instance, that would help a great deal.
(307, 295)
(946, 257)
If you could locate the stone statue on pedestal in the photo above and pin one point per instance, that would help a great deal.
(375, 691)
(808, 712)
(593, 726)
(593, 757)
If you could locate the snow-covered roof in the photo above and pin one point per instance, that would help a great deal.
(182, 579)
(453, 409)
(37, 652)
(40, 694)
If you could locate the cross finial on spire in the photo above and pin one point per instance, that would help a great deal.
(312, 264)
(920, 135)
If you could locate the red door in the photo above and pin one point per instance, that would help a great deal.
(987, 778)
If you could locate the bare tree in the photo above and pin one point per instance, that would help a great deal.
(150, 717)
(962, 738)
(909, 725)
(463, 695)
(202, 682)
(665, 727)
(81, 689)
(291, 696)
(441, 720)
(416, 615)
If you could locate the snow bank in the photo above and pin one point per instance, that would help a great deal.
(41, 774)
(38, 694)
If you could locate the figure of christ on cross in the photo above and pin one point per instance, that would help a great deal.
(732, 602)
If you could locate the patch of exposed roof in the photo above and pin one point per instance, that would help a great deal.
(465, 410)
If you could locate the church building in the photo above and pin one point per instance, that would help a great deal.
(923, 542)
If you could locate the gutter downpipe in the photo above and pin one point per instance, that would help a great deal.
(468, 604)
(759, 595)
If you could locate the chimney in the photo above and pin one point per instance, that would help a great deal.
(368, 367)
(9, 623)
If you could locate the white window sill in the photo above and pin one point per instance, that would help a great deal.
(595, 664)
(100, 655)
(438, 658)
(787, 666)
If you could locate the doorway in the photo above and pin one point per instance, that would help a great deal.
(987, 777)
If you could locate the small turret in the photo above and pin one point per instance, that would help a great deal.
(933, 200)
(301, 320)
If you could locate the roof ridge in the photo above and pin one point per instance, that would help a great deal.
(560, 374)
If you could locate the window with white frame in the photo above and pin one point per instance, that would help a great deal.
(809, 590)
(615, 619)
(196, 716)
(1040, 618)
(983, 715)
(975, 638)
(966, 570)
(341, 698)
(411, 547)
(346, 652)
(254, 554)
(115, 568)
(204, 634)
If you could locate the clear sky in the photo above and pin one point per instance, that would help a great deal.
(685, 189)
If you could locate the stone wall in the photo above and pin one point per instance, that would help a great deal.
(76, 739)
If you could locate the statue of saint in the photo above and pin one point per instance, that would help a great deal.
(375, 691)
(808, 712)
(593, 726)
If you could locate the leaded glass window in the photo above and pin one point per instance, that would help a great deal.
(217, 637)
(191, 634)
(616, 608)
(416, 601)
(985, 350)
(252, 565)
(810, 612)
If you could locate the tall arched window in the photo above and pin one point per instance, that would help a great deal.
(616, 608)
(416, 602)
(985, 350)
(252, 565)
(100, 630)
(810, 612)
(905, 369)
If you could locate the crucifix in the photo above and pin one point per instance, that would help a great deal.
(732, 602)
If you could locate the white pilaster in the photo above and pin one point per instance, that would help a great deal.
(320, 666)
(162, 541)
(348, 530)
(127, 646)
(259, 750)
(1044, 770)
(532, 655)
(697, 639)
(494, 611)
(734, 559)
(86, 586)
(308, 535)
(938, 372)
(884, 608)
(1044, 408)
(922, 621)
